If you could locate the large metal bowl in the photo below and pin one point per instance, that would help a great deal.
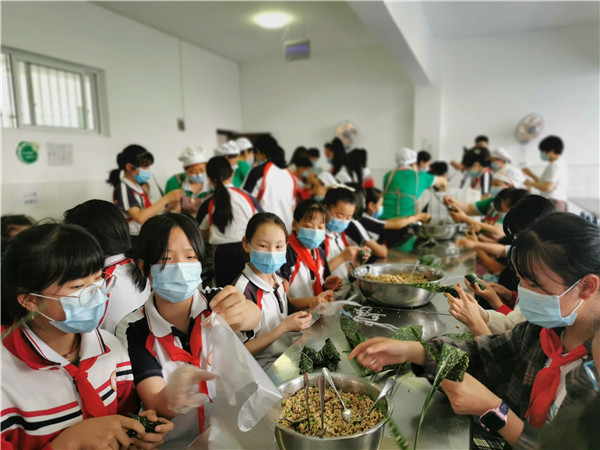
(396, 295)
(439, 231)
(288, 439)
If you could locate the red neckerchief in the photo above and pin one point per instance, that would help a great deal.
(261, 191)
(314, 265)
(344, 240)
(91, 403)
(179, 354)
(547, 380)
(147, 202)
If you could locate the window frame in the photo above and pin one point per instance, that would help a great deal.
(97, 91)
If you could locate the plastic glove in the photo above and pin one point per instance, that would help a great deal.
(182, 390)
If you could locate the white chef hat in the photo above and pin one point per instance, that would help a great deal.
(243, 144)
(406, 157)
(191, 155)
(502, 154)
(229, 148)
(511, 176)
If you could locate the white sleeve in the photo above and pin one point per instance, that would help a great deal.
(551, 173)
(499, 323)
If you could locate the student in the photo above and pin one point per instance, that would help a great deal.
(245, 160)
(314, 154)
(104, 221)
(300, 173)
(299, 153)
(270, 182)
(355, 169)
(320, 184)
(223, 218)
(403, 187)
(133, 171)
(538, 366)
(340, 204)
(335, 152)
(507, 177)
(306, 266)
(499, 160)
(554, 180)
(481, 143)
(13, 224)
(165, 337)
(476, 163)
(266, 241)
(438, 168)
(65, 384)
(391, 231)
(423, 161)
(192, 181)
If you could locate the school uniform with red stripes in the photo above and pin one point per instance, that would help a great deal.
(228, 254)
(124, 296)
(157, 349)
(43, 393)
(334, 244)
(305, 269)
(128, 195)
(273, 303)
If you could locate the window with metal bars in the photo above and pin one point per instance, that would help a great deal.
(42, 92)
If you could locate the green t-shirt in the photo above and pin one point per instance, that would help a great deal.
(402, 195)
(486, 207)
(240, 173)
(173, 182)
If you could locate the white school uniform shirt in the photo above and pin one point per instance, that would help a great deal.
(557, 173)
(274, 189)
(38, 402)
(273, 304)
(243, 207)
(124, 296)
(126, 196)
(334, 245)
(134, 332)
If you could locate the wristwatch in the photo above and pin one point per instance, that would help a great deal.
(495, 418)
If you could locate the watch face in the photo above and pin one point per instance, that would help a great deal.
(492, 421)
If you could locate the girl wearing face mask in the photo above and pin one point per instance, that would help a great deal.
(164, 338)
(476, 163)
(65, 383)
(128, 179)
(539, 365)
(340, 204)
(223, 219)
(306, 266)
(266, 241)
(192, 181)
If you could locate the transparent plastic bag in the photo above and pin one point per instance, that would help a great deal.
(245, 393)
(182, 390)
(331, 308)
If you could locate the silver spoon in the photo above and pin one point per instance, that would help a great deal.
(321, 384)
(389, 384)
(346, 413)
(414, 267)
(306, 394)
(293, 422)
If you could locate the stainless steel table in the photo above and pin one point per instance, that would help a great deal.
(442, 429)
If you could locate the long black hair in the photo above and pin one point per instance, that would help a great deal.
(341, 194)
(8, 221)
(355, 163)
(359, 200)
(565, 243)
(526, 212)
(268, 146)
(106, 223)
(339, 154)
(218, 170)
(42, 255)
(133, 154)
(153, 242)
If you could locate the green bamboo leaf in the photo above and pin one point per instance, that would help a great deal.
(452, 364)
(401, 442)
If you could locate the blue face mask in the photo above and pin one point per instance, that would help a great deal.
(337, 225)
(494, 190)
(176, 282)
(544, 309)
(495, 166)
(319, 198)
(267, 262)
(474, 173)
(199, 178)
(377, 214)
(544, 156)
(311, 238)
(83, 312)
(142, 176)
(330, 160)
(250, 160)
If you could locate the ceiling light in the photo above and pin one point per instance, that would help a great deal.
(272, 20)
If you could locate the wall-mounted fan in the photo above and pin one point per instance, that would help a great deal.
(529, 127)
(347, 132)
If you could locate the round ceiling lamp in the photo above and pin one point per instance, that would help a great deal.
(272, 20)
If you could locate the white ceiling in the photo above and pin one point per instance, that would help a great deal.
(226, 28)
(463, 20)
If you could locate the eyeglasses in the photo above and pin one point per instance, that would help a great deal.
(88, 293)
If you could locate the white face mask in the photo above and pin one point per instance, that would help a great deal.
(544, 309)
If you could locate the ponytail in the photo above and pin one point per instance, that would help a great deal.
(218, 170)
(132, 154)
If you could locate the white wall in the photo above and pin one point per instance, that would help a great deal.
(144, 100)
(489, 84)
(301, 102)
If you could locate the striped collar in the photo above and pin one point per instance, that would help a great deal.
(159, 326)
(259, 282)
(115, 259)
(136, 187)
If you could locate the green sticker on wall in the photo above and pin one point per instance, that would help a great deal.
(27, 152)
